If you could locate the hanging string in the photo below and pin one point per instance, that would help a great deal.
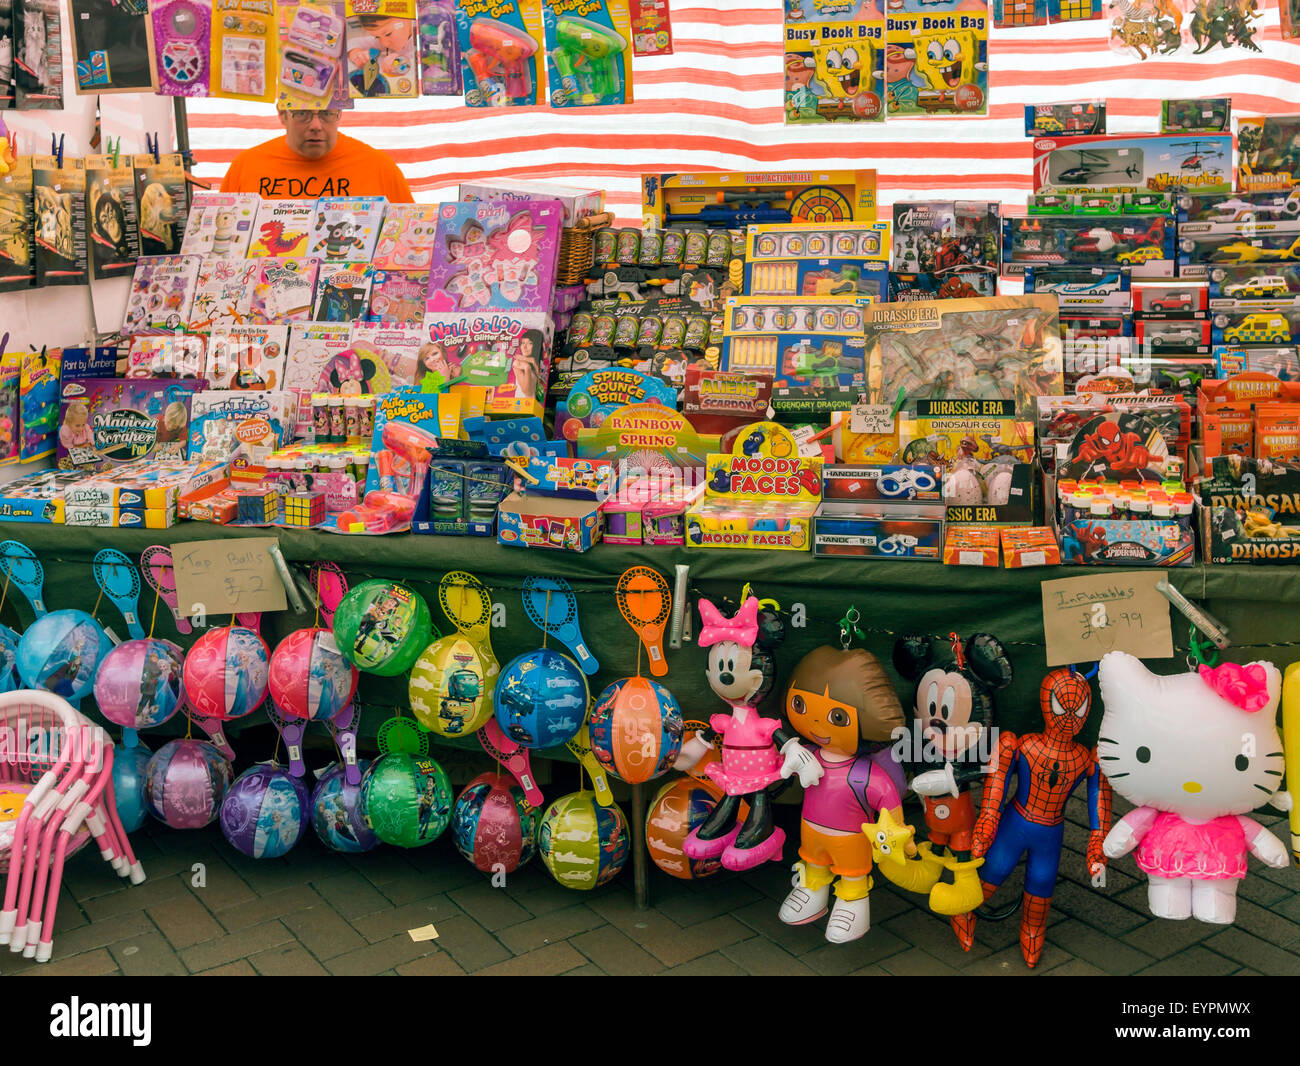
(154, 618)
(95, 612)
(547, 619)
(5, 592)
(318, 596)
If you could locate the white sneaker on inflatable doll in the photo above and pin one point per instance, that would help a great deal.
(849, 920)
(804, 905)
(1196, 753)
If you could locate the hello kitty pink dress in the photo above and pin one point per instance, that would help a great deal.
(1173, 847)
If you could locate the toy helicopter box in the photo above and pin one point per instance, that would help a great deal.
(1250, 511)
(799, 259)
(812, 349)
(1276, 206)
(942, 64)
(1268, 153)
(588, 52)
(1204, 246)
(835, 71)
(762, 494)
(1143, 243)
(986, 357)
(1128, 164)
(737, 198)
(499, 46)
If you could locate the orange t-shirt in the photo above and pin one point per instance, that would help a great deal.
(277, 172)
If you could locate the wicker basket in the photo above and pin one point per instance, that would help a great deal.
(576, 249)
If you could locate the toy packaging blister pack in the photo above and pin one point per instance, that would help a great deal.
(1148, 29)
(226, 424)
(285, 289)
(223, 295)
(1152, 162)
(652, 30)
(311, 56)
(342, 292)
(588, 61)
(439, 49)
(937, 64)
(397, 297)
(508, 354)
(59, 197)
(244, 49)
(182, 46)
(106, 422)
(163, 198)
(835, 70)
(381, 49)
(799, 259)
(406, 237)
(495, 256)
(283, 227)
(112, 217)
(17, 258)
(499, 46)
(812, 349)
(220, 224)
(162, 291)
(346, 227)
(247, 357)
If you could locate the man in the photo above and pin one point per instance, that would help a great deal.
(313, 159)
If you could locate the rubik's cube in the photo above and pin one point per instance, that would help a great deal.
(259, 506)
(304, 509)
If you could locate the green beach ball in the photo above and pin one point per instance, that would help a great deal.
(406, 799)
(381, 627)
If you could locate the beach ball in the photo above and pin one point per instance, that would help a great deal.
(582, 843)
(265, 812)
(636, 729)
(61, 651)
(678, 807)
(336, 812)
(381, 627)
(451, 686)
(185, 783)
(406, 800)
(130, 767)
(309, 676)
(493, 824)
(541, 699)
(226, 673)
(139, 683)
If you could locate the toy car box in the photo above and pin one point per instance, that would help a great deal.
(1157, 162)
(1144, 243)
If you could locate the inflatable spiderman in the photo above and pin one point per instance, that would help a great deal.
(1047, 766)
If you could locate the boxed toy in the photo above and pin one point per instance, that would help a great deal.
(162, 290)
(36, 497)
(875, 532)
(1248, 511)
(244, 47)
(247, 357)
(527, 520)
(737, 198)
(1209, 114)
(835, 70)
(406, 238)
(398, 297)
(577, 203)
(223, 295)
(1246, 283)
(942, 63)
(1268, 152)
(599, 393)
(813, 349)
(177, 355)
(311, 56)
(495, 256)
(283, 228)
(1082, 119)
(322, 359)
(220, 224)
(38, 400)
(499, 63)
(718, 401)
(254, 424)
(1025, 546)
(1122, 527)
(588, 61)
(507, 353)
(343, 292)
(987, 463)
(106, 422)
(646, 441)
(891, 483)
(393, 352)
(284, 291)
(346, 227)
(971, 546)
(439, 49)
(463, 495)
(1144, 243)
(799, 259)
(1081, 287)
(1262, 324)
(1281, 363)
(1156, 162)
(1264, 244)
(946, 239)
(650, 510)
(1179, 299)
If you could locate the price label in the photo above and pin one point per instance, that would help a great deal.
(219, 577)
(1086, 617)
(871, 418)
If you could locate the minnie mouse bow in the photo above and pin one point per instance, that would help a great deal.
(742, 628)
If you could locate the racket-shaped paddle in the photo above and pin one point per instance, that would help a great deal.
(291, 731)
(646, 601)
(24, 572)
(580, 745)
(343, 728)
(329, 586)
(552, 607)
(251, 621)
(468, 605)
(402, 735)
(513, 757)
(212, 727)
(156, 562)
(117, 576)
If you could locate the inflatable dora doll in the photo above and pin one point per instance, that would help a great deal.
(842, 703)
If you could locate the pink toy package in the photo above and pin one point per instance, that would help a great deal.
(104, 422)
(161, 293)
(285, 290)
(397, 297)
(509, 354)
(406, 238)
(168, 355)
(495, 256)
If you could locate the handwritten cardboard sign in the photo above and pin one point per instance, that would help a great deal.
(871, 418)
(216, 577)
(1085, 617)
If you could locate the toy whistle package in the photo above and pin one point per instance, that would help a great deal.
(220, 224)
(163, 197)
(162, 290)
(283, 227)
(342, 292)
(587, 57)
(812, 349)
(182, 46)
(495, 256)
(59, 196)
(439, 48)
(508, 354)
(406, 238)
(111, 217)
(937, 64)
(346, 227)
(381, 51)
(499, 43)
(835, 70)
(17, 260)
(801, 259)
(223, 295)
(247, 357)
(311, 56)
(244, 50)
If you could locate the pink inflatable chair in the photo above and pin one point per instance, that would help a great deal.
(56, 793)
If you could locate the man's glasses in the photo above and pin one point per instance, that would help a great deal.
(304, 118)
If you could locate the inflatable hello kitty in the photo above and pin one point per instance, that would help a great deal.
(1196, 752)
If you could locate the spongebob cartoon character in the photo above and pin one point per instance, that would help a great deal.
(946, 60)
(843, 69)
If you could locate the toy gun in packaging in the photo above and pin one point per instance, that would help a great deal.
(587, 56)
(500, 51)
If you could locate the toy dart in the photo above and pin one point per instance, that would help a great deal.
(587, 56)
(402, 465)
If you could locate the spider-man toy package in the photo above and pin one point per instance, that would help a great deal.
(495, 256)
(1121, 527)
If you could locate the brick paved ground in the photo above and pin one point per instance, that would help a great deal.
(317, 912)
